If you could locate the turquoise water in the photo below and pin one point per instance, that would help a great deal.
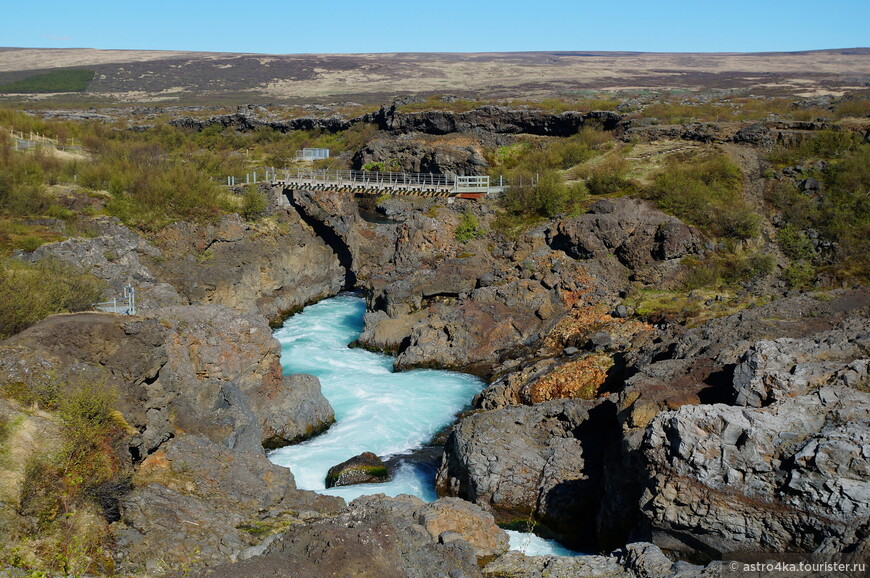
(376, 410)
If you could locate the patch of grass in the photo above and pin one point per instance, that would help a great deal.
(76, 80)
(690, 309)
(438, 102)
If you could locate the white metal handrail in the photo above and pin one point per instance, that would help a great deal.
(124, 305)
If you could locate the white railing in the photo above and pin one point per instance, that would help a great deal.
(124, 305)
(472, 184)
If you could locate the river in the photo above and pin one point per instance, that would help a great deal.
(376, 410)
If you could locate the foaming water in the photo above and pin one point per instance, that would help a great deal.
(376, 410)
(532, 545)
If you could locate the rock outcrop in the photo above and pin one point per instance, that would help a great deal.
(175, 371)
(197, 503)
(626, 241)
(635, 560)
(117, 255)
(773, 371)
(531, 464)
(418, 156)
(378, 536)
(271, 267)
(788, 477)
(493, 119)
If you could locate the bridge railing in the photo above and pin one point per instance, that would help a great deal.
(367, 177)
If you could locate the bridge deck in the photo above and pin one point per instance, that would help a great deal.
(378, 183)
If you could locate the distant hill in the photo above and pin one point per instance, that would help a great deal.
(133, 76)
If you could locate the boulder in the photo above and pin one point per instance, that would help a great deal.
(366, 468)
(292, 411)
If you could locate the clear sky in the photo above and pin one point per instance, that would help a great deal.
(349, 26)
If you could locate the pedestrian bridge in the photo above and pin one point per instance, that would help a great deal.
(385, 183)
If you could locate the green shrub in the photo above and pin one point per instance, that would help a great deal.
(819, 145)
(794, 243)
(607, 177)
(726, 270)
(840, 212)
(546, 197)
(799, 273)
(253, 202)
(468, 228)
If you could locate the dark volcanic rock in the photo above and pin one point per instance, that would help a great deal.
(366, 468)
(494, 119)
(378, 536)
(417, 157)
(626, 239)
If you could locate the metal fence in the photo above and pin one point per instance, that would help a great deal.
(123, 305)
(312, 154)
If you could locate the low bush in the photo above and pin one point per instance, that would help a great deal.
(705, 191)
(30, 293)
(468, 228)
(547, 196)
(607, 177)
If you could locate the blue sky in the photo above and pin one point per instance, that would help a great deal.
(344, 26)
